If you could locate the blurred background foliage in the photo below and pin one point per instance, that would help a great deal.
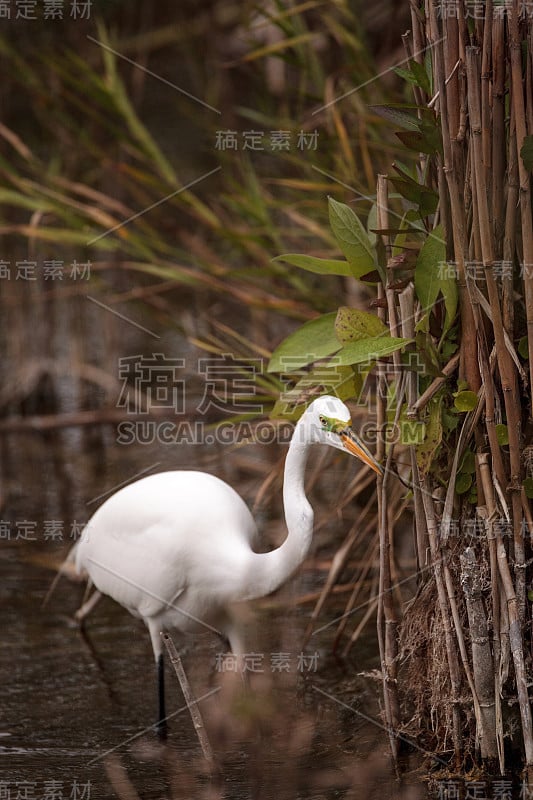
(111, 156)
(108, 117)
(141, 142)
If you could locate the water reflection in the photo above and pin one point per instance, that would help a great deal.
(67, 699)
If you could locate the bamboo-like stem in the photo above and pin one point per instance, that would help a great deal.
(509, 239)
(387, 625)
(451, 651)
(482, 663)
(515, 47)
(505, 656)
(451, 58)
(528, 80)
(527, 246)
(505, 364)
(190, 700)
(486, 126)
(433, 387)
(484, 304)
(496, 638)
(417, 91)
(468, 427)
(407, 309)
(527, 512)
(448, 581)
(498, 129)
(469, 365)
(386, 616)
(483, 101)
(490, 414)
(515, 630)
(418, 31)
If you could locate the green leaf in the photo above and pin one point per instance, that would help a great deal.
(450, 294)
(321, 266)
(416, 74)
(472, 497)
(406, 74)
(465, 401)
(463, 482)
(427, 351)
(426, 138)
(412, 431)
(428, 63)
(314, 340)
(448, 349)
(342, 382)
(450, 420)
(432, 276)
(422, 326)
(429, 268)
(352, 324)
(523, 347)
(468, 463)
(372, 224)
(352, 238)
(528, 487)
(425, 452)
(409, 190)
(502, 435)
(424, 198)
(526, 152)
(399, 116)
(427, 141)
(366, 350)
(421, 76)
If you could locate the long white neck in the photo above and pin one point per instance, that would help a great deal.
(270, 570)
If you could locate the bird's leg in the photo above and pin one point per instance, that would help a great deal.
(224, 641)
(86, 639)
(85, 609)
(235, 640)
(154, 627)
(161, 724)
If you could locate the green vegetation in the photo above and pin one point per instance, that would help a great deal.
(417, 306)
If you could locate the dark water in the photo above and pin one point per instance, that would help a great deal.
(64, 705)
(68, 699)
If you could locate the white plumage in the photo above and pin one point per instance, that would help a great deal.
(177, 548)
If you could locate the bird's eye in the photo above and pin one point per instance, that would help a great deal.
(323, 421)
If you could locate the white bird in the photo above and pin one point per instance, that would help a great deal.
(176, 548)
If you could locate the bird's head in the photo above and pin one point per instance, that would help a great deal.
(328, 421)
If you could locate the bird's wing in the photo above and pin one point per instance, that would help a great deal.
(167, 533)
(133, 568)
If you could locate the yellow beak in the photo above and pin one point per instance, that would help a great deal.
(355, 446)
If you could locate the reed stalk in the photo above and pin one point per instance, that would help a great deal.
(483, 101)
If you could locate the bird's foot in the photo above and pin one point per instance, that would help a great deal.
(161, 730)
(85, 609)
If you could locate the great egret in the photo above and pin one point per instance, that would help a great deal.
(176, 548)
